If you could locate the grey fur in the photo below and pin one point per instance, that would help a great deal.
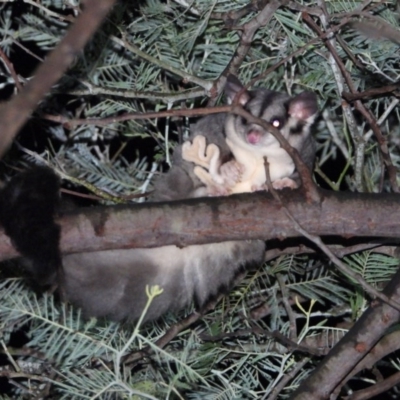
(112, 283)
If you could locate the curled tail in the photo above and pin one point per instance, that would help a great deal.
(27, 207)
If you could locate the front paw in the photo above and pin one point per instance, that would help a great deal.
(284, 183)
(195, 152)
(231, 172)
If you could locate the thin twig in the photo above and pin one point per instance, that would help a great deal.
(288, 308)
(172, 332)
(11, 69)
(286, 379)
(392, 171)
(339, 264)
(72, 122)
(308, 184)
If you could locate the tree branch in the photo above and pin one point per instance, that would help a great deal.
(237, 217)
(352, 348)
(388, 344)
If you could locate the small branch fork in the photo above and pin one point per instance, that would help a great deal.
(354, 94)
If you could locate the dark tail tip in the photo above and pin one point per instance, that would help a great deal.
(27, 207)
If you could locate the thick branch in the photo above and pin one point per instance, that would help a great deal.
(352, 348)
(388, 344)
(244, 216)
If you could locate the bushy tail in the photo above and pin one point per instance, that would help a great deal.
(27, 207)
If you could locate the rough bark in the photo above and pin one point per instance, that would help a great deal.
(352, 348)
(207, 220)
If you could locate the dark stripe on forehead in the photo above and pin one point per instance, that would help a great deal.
(286, 106)
(268, 98)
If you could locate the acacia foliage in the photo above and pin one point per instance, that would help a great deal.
(276, 325)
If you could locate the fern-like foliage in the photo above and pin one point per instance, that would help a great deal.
(157, 55)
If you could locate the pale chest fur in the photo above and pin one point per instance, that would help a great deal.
(280, 164)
